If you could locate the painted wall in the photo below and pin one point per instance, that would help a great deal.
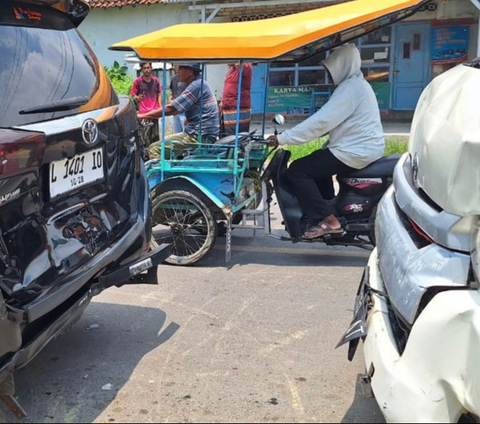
(104, 27)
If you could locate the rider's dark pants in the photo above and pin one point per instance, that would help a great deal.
(312, 182)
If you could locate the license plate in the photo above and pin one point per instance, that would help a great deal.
(141, 267)
(71, 174)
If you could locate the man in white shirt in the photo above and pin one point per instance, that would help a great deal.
(352, 118)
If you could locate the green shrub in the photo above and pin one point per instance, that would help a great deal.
(122, 83)
(394, 145)
(116, 72)
(124, 86)
(306, 149)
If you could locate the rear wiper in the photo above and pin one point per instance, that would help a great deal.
(59, 106)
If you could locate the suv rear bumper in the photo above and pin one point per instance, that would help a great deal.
(122, 263)
(138, 234)
(437, 378)
(75, 311)
(73, 298)
(118, 265)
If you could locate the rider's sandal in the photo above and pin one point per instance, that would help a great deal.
(321, 231)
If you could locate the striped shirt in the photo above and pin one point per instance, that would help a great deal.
(189, 103)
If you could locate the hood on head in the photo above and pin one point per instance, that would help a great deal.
(343, 63)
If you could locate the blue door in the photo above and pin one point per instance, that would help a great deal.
(412, 64)
(258, 87)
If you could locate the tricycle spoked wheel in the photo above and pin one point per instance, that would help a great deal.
(183, 220)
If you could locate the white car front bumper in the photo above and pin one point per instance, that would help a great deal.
(437, 378)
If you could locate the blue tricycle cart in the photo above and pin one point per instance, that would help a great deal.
(205, 190)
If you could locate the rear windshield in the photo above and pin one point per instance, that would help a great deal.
(45, 60)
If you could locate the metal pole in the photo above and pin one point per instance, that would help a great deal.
(478, 42)
(200, 135)
(476, 3)
(265, 100)
(164, 120)
(237, 128)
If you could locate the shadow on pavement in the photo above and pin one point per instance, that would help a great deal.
(267, 251)
(363, 410)
(67, 382)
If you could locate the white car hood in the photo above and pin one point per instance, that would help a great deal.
(445, 141)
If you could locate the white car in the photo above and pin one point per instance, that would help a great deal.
(418, 309)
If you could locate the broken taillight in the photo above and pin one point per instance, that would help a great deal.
(420, 232)
(20, 151)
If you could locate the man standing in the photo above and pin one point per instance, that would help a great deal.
(230, 99)
(147, 92)
(200, 109)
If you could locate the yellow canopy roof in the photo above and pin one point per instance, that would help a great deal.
(291, 38)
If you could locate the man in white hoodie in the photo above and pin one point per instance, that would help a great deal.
(352, 118)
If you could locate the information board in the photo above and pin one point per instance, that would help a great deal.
(298, 100)
(450, 44)
(293, 100)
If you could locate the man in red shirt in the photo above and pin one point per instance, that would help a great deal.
(230, 99)
(147, 90)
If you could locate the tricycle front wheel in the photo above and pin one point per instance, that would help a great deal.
(183, 220)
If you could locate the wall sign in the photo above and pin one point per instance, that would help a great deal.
(298, 100)
(293, 100)
(450, 44)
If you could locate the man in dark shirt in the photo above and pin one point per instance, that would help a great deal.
(200, 109)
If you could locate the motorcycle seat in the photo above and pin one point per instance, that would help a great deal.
(381, 168)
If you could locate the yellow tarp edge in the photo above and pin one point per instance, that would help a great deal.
(266, 39)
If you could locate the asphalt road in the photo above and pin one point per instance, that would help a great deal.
(253, 341)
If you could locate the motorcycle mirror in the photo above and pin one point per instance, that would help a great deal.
(279, 119)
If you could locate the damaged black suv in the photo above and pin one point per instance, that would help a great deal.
(74, 199)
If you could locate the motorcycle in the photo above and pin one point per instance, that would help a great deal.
(356, 202)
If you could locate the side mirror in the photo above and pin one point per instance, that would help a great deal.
(279, 120)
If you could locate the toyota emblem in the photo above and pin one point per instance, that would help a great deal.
(90, 132)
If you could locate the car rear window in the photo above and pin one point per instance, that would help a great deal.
(45, 60)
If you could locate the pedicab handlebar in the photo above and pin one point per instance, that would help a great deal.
(278, 120)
